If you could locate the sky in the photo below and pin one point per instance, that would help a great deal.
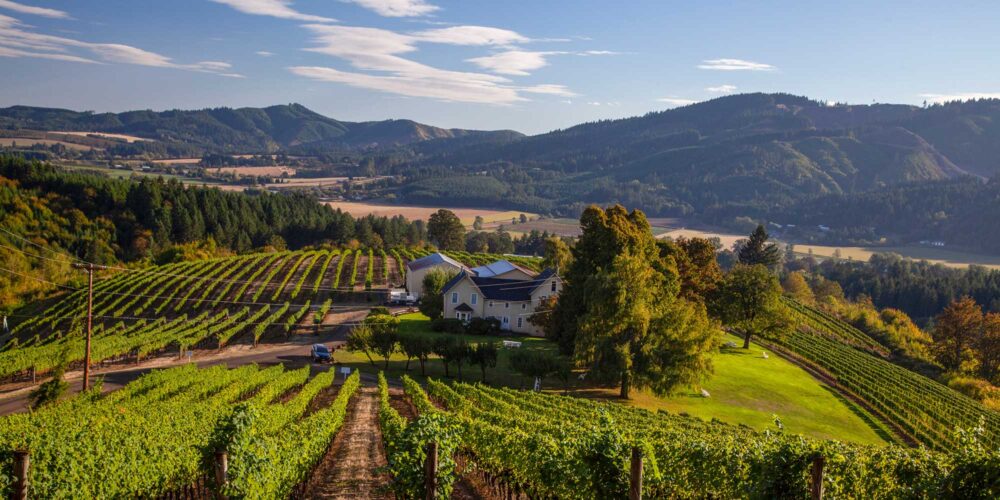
(527, 65)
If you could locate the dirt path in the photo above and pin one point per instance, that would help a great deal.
(349, 468)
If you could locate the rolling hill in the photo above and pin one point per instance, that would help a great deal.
(242, 130)
(748, 150)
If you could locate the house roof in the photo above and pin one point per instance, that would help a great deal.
(464, 308)
(503, 289)
(499, 267)
(433, 260)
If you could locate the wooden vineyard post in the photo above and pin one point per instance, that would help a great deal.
(430, 470)
(221, 473)
(816, 486)
(635, 477)
(22, 462)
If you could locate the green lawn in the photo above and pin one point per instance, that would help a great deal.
(748, 389)
(745, 389)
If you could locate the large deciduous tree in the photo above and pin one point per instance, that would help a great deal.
(757, 250)
(749, 301)
(557, 254)
(956, 331)
(445, 230)
(621, 314)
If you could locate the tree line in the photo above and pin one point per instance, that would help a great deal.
(105, 220)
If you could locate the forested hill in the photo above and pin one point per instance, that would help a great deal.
(290, 127)
(762, 149)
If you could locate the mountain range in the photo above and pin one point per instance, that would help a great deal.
(241, 130)
(766, 156)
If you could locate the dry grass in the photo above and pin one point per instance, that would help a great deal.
(949, 258)
(178, 161)
(27, 141)
(468, 215)
(274, 171)
(123, 137)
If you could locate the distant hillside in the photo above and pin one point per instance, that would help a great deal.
(245, 130)
(754, 150)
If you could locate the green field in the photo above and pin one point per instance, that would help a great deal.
(745, 389)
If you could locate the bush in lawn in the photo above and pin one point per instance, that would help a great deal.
(483, 326)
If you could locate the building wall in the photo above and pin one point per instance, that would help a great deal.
(514, 311)
(415, 279)
(464, 289)
(515, 274)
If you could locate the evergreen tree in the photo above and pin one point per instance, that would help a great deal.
(757, 250)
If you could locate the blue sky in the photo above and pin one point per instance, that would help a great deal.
(531, 66)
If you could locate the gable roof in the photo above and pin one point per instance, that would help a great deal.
(464, 308)
(503, 289)
(433, 260)
(499, 267)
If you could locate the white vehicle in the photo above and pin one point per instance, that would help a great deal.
(399, 296)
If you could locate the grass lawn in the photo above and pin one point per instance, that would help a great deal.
(748, 389)
(418, 323)
(745, 389)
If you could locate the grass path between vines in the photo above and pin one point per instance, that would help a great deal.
(349, 469)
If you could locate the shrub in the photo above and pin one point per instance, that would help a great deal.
(483, 326)
(448, 325)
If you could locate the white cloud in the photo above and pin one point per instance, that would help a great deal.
(550, 89)
(397, 8)
(676, 101)
(470, 35)
(264, 53)
(962, 96)
(17, 41)
(34, 11)
(734, 65)
(513, 62)
(273, 8)
(598, 53)
(722, 89)
(434, 86)
(378, 55)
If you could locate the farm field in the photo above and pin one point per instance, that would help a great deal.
(28, 141)
(274, 171)
(468, 215)
(123, 137)
(949, 258)
(127, 173)
(178, 161)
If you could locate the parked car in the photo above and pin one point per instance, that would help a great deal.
(321, 354)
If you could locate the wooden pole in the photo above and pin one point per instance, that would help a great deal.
(816, 492)
(635, 478)
(22, 462)
(90, 319)
(430, 470)
(221, 473)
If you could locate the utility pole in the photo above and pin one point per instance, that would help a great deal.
(90, 317)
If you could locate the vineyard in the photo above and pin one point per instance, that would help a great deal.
(548, 446)
(159, 434)
(202, 304)
(926, 411)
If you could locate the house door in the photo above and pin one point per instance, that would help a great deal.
(505, 323)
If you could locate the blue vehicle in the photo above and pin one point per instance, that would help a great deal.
(321, 354)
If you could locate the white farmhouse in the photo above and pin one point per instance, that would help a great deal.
(511, 301)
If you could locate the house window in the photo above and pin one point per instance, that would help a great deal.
(491, 303)
(474, 299)
(506, 305)
(524, 306)
(553, 286)
(520, 321)
(454, 297)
